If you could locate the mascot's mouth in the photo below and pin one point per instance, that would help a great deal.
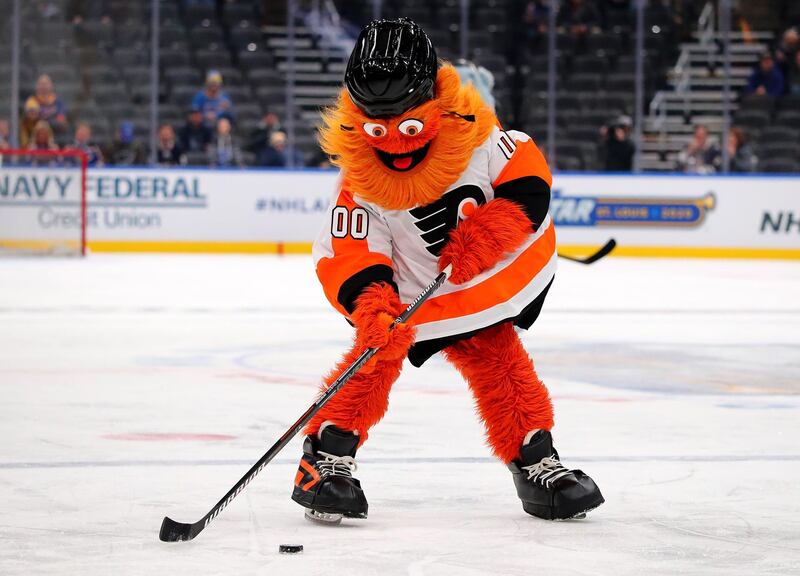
(403, 162)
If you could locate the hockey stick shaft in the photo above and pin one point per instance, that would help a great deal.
(604, 251)
(172, 531)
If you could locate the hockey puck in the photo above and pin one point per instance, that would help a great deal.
(290, 548)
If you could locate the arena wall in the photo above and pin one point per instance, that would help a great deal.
(200, 210)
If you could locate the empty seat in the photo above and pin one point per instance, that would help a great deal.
(785, 134)
(264, 76)
(110, 94)
(585, 82)
(201, 36)
(786, 149)
(137, 75)
(212, 59)
(101, 73)
(242, 36)
(236, 13)
(131, 34)
(607, 43)
(788, 118)
(253, 60)
(182, 95)
(568, 163)
(173, 58)
(237, 93)
(757, 102)
(271, 95)
(198, 14)
(171, 35)
(745, 117)
(124, 57)
(786, 165)
(183, 75)
(589, 65)
(621, 82)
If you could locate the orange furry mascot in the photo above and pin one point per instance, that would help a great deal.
(430, 179)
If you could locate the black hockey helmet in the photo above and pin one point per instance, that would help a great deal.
(392, 68)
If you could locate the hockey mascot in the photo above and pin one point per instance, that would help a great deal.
(429, 179)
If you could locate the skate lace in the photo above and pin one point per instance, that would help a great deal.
(546, 471)
(336, 465)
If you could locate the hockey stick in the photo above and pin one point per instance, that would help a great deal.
(172, 531)
(601, 253)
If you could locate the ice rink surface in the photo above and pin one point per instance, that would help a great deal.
(138, 386)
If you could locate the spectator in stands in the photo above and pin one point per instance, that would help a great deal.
(30, 118)
(195, 136)
(212, 101)
(259, 137)
(786, 51)
(51, 108)
(741, 156)
(42, 139)
(124, 150)
(5, 132)
(766, 79)
(276, 155)
(702, 154)
(48, 10)
(224, 149)
(319, 159)
(83, 142)
(80, 10)
(534, 20)
(794, 75)
(169, 152)
(616, 147)
(579, 18)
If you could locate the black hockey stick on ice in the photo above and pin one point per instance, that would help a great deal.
(601, 253)
(172, 531)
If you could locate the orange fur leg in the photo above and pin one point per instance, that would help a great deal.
(363, 400)
(510, 398)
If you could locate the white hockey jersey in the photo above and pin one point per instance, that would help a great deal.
(361, 243)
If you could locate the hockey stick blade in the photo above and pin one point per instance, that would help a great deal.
(604, 251)
(172, 531)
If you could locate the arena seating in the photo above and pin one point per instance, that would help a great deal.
(100, 65)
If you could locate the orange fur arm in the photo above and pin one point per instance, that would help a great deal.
(479, 243)
(376, 308)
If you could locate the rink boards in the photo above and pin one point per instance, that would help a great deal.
(199, 210)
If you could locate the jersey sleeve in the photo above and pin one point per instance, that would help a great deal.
(519, 172)
(352, 251)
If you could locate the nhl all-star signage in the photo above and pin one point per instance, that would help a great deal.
(615, 211)
(252, 209)
(677, 212)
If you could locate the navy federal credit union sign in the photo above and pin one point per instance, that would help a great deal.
(629, 211)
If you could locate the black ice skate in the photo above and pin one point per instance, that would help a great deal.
(324, 484)
(549, 490)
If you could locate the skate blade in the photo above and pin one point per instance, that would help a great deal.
(578, 516)
(323, 517)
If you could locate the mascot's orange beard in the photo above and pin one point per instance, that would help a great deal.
(394, 164)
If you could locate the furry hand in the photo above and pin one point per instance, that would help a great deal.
(479, 243)
(376, 308)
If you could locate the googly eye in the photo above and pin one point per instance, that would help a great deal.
(375, 130)
(410, 127)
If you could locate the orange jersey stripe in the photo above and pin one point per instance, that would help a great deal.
(500, 287)
(527, 160)
(350, 256)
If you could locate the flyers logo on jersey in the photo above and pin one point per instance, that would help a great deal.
(435, 220)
